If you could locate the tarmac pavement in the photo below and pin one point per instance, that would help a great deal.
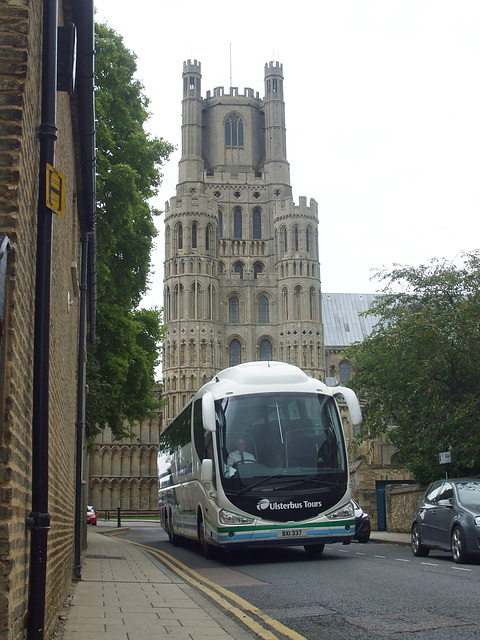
(126, 594)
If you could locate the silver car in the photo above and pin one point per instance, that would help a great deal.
(448, 519)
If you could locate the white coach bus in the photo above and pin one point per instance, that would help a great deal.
(257, 458)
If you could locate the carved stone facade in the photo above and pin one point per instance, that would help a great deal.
(242, 271)
(124, 473)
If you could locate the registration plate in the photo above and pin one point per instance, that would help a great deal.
(292, 533)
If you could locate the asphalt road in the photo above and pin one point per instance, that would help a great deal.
(360, 591)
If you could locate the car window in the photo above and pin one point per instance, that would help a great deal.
(469, 492)
(432, 493)
(446, 492)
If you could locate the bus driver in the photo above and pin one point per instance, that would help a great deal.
(239, 456)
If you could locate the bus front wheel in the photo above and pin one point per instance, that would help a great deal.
(208, 550)
(172, 537)
(314, 549)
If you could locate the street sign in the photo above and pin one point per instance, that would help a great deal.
(445, 457)
(55, 193)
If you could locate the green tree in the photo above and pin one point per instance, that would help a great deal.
(419, 370)
(121, 365)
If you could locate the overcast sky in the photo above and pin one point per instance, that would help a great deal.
(382, 101)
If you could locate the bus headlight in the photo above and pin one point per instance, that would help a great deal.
(347, 511)
(227, 517)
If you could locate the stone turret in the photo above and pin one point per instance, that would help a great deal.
(242, 272)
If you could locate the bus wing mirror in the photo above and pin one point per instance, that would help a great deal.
(206, 471)
(208, 412)
(352, 403)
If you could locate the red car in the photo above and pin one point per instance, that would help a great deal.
(91, 515)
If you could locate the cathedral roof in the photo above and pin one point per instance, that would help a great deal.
(342, 323)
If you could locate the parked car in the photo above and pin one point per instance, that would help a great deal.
(91, 515)
(362, 523)
(448, 518)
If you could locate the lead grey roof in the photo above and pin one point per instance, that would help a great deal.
(342, 324)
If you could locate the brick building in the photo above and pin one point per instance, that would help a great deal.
(47, 301)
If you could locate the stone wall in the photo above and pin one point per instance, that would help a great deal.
(402, 501)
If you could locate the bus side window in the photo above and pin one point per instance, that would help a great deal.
(198, 430)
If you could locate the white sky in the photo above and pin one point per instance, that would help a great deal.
(382, 101)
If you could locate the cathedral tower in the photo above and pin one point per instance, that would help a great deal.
(242, 271)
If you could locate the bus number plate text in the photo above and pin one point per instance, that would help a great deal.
(292, 533)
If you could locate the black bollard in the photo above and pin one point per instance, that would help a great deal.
(119, 520)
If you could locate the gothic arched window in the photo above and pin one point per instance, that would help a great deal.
(296, 238)
(220, 224)
(297, 302)
(234, 353)
(180, 236)
(265, 351)
(285, 303)
(237, 224)
(285, 242)
(233, 131)
(345, 371)
(307, 239)
(263, 310)
(233, 310)
(238, 268)
(207, 238)
(257, 268)
(194, 235)
(312, 303)
(257, 224)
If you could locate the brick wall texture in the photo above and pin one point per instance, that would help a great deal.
(20, 94)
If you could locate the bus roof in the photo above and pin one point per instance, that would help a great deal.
(262, 377)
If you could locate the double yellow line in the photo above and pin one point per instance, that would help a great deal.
(247, 613)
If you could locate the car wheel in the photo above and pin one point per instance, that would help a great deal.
(208, 550)
(418, 548)
(458, 546)
(314, 549)
(363, 538)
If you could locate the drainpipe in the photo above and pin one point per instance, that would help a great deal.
(80, 423)
(83, 11)
(39, 519)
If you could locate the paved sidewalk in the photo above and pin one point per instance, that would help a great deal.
(126, 595)
(390, 538)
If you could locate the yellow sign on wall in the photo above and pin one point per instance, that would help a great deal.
(55, 190)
